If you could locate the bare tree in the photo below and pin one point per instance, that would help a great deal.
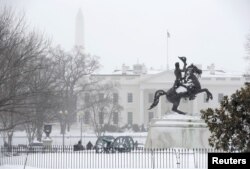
(44, 84)
(73, 71)
(101, 106)
(20, 51)
(37, 83)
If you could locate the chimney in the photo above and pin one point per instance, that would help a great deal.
(124, 69)
(211, 68)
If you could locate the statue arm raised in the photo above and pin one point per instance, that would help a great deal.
(183, 59)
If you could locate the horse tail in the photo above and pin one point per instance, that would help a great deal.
(158, 94)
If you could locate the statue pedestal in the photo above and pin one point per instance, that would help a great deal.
(47, 141)
(175, 130)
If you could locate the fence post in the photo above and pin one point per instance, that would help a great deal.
(177, 156)
(26, 159)
(152, 158)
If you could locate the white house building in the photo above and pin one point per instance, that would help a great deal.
(138, 85)
(137, 88)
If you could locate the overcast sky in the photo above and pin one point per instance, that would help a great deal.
(128, 31)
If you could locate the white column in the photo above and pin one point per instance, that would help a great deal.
(195, 108)
(141, 107)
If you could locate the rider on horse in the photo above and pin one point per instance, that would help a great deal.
(189, 81)
(179, 81)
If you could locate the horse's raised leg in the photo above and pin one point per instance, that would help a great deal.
(157, 96)
(175, 106)
(209, 94)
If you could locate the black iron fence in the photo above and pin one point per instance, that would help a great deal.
(66, 157)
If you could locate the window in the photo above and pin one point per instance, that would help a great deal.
(130, 97)
(115, 98)
(235, 78)
(101, 118)
(115, 118)
(220, 78)
(220, 97)
(150, 97)
(150, 116)
(130, 118)
(205, 98)
(87, 117)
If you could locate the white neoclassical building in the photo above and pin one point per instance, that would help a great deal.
(137, 88)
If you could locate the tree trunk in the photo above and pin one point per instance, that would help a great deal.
(10, 136)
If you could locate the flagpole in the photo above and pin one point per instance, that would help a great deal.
(167, 50)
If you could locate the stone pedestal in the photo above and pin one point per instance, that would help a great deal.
(175, 130)
(47, 141)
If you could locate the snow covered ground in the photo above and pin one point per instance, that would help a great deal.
(27, 167)
(169, 158)
(15, 167)
(74, 136)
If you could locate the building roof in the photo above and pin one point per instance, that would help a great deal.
(205, 73)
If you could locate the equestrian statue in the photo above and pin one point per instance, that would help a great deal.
(186, 78)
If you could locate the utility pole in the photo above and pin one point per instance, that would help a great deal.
(81, 119)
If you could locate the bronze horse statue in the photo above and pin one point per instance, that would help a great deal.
(193, 87)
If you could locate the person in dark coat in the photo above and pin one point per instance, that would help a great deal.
(89, 146)
(78, 146)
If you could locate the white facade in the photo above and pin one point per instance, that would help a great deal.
(143, 86)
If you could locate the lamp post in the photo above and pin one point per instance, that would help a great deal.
(63, 117)
(81, 122)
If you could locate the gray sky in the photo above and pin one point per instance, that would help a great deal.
(124, 31)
